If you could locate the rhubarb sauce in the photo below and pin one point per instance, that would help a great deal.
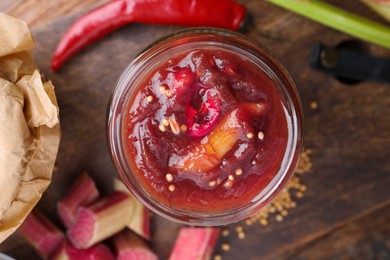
(205, 130)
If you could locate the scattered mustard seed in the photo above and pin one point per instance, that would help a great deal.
(217, 257)
(263, 221)
(260, 135)
(231, 177)
(162, 89)
(225, 232)
(183, 127)
(169, 177)
(238, 172)
(228, 184)
(313, 105)
(212, 183)
(249, 222)
(149, 99)
(249, 135)
(239, 229)
(165, 122)
(162, 128)
(241, 235)
(284, 200)
(172, 187)
(225, 246)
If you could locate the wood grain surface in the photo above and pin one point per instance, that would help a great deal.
(345, 213)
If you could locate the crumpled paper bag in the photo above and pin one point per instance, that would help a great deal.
(29, 127)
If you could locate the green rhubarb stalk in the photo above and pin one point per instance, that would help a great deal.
(339, 19)
(381, 7)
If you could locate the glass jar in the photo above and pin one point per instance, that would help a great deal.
(183, 42)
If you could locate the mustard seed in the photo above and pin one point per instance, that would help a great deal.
(183, 128)
(241, 235)
(172, 188)
(260, 135)
(239, 229)
(212, 183)
(162, 128)
(217, 257)
(279, 218)
(169, 177)
(249, 135)
(225, 246)
(165, 122)
(225, 232)
(149, 99)
(263, 221)
(313, 105)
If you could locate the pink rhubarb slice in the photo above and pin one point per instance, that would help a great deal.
(139, 221)
(41, 233)
(82, 192)
(101, 219)
(129, 246)
(195, 243)
(68, 252)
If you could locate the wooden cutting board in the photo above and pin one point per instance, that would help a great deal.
(349, 133)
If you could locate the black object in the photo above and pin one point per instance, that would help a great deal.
(350, 65)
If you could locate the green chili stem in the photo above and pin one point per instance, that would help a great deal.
(339, 19)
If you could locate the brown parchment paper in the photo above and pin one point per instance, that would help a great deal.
(29, 127)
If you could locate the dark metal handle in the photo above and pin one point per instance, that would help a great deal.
(349, 64)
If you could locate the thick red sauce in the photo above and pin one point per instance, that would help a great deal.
(223, 138)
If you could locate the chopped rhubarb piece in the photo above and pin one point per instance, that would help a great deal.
(41, 233)
(68, 252)
(181, 80)
(140, 219)
(256, 109)
(130, 246)
(206, 155)
(195, 243)
(82, 192)
(101, 219)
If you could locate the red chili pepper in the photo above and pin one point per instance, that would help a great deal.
(109, 17)
(202, 121)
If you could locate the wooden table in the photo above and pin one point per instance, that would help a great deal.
(345, 213)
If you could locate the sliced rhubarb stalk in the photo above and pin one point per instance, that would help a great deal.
(195, 243)
(41, 233)
(82, 192)
(140, 219)
(68, 252)
(129, 246)
(101, 219)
